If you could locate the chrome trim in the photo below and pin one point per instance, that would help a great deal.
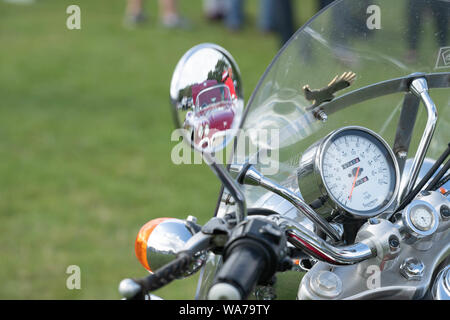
(255, 178)
(169, 238)
(129, 288)
(302, 238)
(409, 225)
(310, 176)
(393, 284)
(419, 88)
(441, 286)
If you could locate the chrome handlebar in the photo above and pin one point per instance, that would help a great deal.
(250, 176)
(302, 238)
(372, 243)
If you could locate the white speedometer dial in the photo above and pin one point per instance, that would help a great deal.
(358, 171)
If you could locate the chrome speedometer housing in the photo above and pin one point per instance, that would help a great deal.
(317, 185)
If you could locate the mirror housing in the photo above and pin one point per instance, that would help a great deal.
(207, 97)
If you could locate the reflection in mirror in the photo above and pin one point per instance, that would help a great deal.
(206, 94)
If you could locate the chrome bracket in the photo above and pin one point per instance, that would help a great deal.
(419, 88)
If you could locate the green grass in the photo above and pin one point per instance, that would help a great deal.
(85, 141)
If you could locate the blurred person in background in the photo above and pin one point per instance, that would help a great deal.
(275, 15)
(215, 9)
(234, 15)
(168, 13)
(415, 12)
(267, 21)
(19, 1)
(234, 19)
(284, 20)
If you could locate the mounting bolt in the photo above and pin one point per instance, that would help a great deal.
(412, 269)
(322, 116)
(394, 242)
(445, 212)
(191, 219)
(402, 154)
(326, 284)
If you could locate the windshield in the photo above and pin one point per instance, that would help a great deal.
(391, 39)
(378, 41)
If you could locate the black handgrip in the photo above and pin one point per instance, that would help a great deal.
(243, 268)
(164, 275)
(251, 256)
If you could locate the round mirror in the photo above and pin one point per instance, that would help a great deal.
(206, 95)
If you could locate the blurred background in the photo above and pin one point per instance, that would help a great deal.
(85, 132)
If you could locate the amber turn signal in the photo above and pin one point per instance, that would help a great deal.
(140, 245)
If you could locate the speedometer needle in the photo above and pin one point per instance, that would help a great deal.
(354, 181)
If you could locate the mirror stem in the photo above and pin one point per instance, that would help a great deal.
(231, 185)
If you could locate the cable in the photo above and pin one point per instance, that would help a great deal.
(409, 197)
(438, 177)
(442, 182)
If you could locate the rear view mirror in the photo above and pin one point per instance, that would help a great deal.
(206, 96)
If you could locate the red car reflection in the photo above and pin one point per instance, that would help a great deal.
(213, 114)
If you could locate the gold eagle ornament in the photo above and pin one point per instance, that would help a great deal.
(318, 96)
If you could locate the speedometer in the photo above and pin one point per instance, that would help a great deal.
(352, 169)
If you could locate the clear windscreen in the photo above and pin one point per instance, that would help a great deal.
(378, 41)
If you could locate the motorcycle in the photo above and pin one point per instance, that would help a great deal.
(337, 170)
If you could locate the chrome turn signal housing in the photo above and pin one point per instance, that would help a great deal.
(159, 241)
